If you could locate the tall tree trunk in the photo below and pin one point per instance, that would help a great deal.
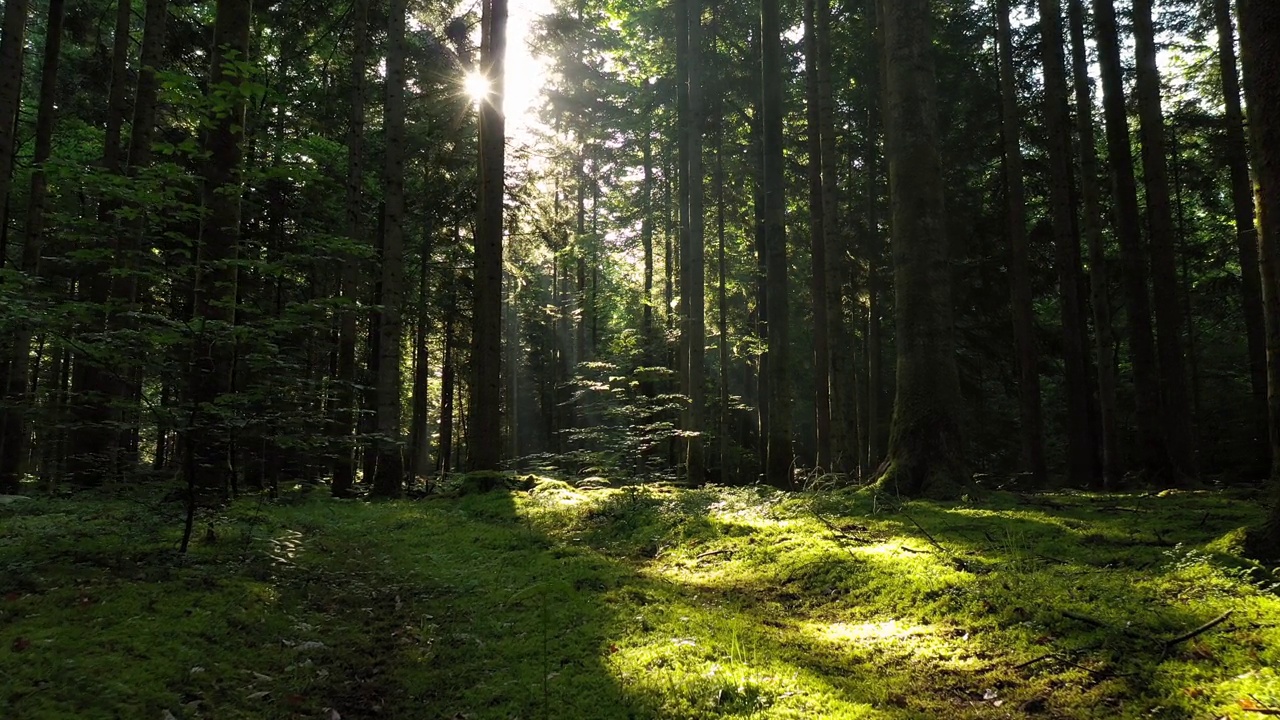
(16, 401)
(818, 247)
(1133, 264)
(722, 304)
(484, 446)
(447, 375)
(773, 110)
(874, 246)
(648, 333)
(1081, 458)
(213, 356)
(1021, 299)
(695, 461)
(344, 401)
(418, 437)
(12, 40)
(1179, 442)
(389, 477)
(91, 383)
(1104, 338)
(1237, 152)
(925, 451)
(1260, 56)
(845, 436)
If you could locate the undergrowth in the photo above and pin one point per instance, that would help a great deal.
(552, 601)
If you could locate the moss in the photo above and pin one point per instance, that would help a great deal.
(637, 603)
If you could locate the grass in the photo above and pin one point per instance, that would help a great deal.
(637, 603)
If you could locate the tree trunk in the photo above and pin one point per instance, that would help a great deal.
(873, 452)
(1104, 339)
(389, 477)
(695, 461)
(12, 40)
(344, 401)
(213, 357)
(925, 452)
(773, 111)
(1081, 458)
(1128, 231)
(12, 425)
(91, 383)
(484, 446)
(418, 436)
(818, 248)
(1179, 441)
(845, 436)
(17, 402)
(648, 333)
(1260, 56)
(1021, 300)
(1237, 153)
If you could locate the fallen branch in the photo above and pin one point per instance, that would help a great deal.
(1197, 631)
(713, 553)
(1084, 619)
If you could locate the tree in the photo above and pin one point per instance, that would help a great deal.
(846, 436)
(1104, 341)
(1179, 444)
(1260, 56)
(695, 305)
(778, 454)
(926, 455)
(1237, 156)
(818, 246)
(214, 288)
(12, 426)
(1032, 423)
(1081, 458)
(344, 401)
(1133, 263)
(389, 477)
(485, 420)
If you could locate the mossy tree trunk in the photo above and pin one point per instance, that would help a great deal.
(926, 456)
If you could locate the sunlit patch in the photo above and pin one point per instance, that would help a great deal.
(285, 548)
(477, 86)
(873, 632)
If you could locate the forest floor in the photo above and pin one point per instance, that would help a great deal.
(558, 602)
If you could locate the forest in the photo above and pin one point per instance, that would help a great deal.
(624, 359)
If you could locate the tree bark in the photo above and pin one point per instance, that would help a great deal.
(1021, 300)
(16, 399)
(345, 404)
(779, 454)
(1104, 338)
(484, 445)
(12, 424)
(846, 439)
(1260, 57)
(388, 479)
(818, 247)
(1082, 465)
(1237, 155)
(1133, 264)
(695, 461)
(1179, 440)
(925, 456)
(213, 356)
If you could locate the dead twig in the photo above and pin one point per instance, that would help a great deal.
(713, 553)
(1084, 619)
(1170, 643)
